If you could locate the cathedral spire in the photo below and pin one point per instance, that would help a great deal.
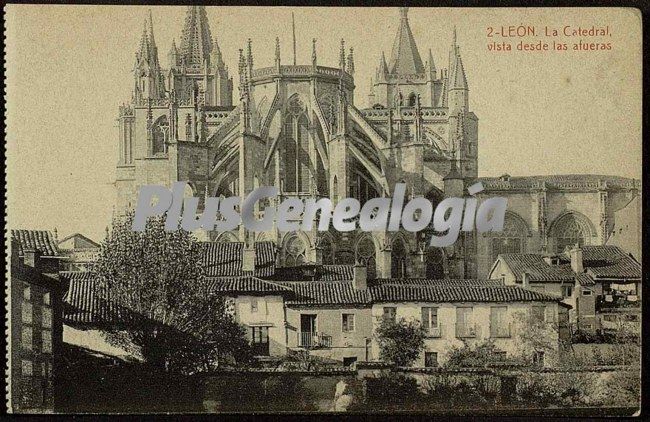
(383, 67)
(405, 58)
(431, 66)
(277, 54)
(196, 41)
(313, 52)
(351, 61)
(151, 37)
(458, 79)
(342, 55)
(144, 53)
(173, 55)
(216, 58)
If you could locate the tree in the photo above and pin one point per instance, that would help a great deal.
(400, 342)
(534, 335)
(155, 285)
(478, 355)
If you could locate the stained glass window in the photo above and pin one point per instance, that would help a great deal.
(569, 231)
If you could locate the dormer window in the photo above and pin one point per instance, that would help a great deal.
(505, 177)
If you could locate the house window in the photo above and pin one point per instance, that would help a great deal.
(430, 319)
(254, 307)
(27, 293)
(349, 361)
(431, 359)
(499, 326)
(47, 318)
(27, 369)
(587, 292)
(27, 338)
(538, 312)
(46, 299)
(27, 313)
(465, 322)
(347, 323)
(538, 358)
(567, 291)
(47, 341)
(390, 313)
(260, 341)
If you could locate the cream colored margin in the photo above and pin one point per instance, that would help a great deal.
(7, 290)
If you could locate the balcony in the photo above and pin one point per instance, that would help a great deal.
(612, 301)
(314, 340)
(465, 330)
(501, 330)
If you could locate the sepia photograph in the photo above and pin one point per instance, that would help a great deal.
(355, 210)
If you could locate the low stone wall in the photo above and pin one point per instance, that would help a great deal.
(375, 386)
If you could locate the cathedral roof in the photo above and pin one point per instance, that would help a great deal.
(558, 181)
(196, 41)
(405, 58)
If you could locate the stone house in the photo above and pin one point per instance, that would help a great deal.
(333, 310)
(601, 283)
(36, 327)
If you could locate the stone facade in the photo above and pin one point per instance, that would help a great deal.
(298, 127)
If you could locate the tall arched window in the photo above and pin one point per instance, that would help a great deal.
(294, 251)
(327, 250)
(159, 136)
(434, 263)
(569, 230)
(289, 155)
(303, 154)
(398, 259)
(365, 254)
(296, 145)
(512, 239)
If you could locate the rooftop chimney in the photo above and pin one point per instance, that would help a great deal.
(576, 259)
(525, 280)
(248, 259)
(360, 279)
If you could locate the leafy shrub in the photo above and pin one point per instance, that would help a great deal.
(400, 342)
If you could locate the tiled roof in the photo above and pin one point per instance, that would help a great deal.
(561, 181)
(82, 301)
(609, 261)
(585, 279)
(35, 239)
(245, 284)
(469, 293)
(538, 270)
(312, 272)
(343, 293)
(599, 261)
(436, 282)
(223, 259)
(327, 293)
